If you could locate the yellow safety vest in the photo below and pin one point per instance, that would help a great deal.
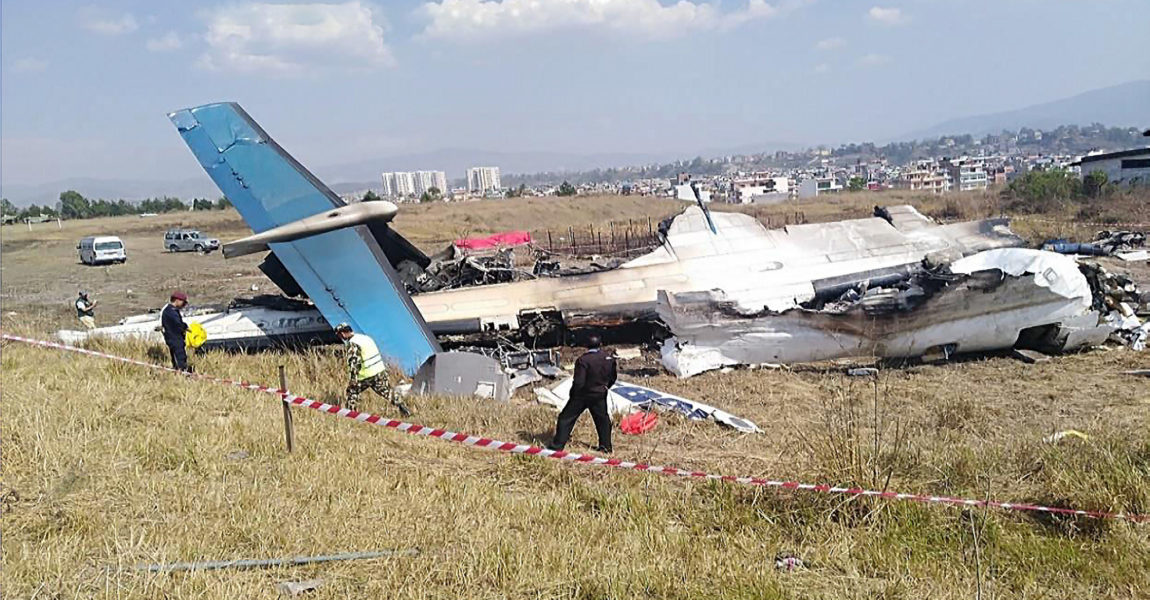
(372, 360)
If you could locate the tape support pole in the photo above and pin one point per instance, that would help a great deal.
(574, 457)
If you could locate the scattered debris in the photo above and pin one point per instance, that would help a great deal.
(522, 365)
(1117, 241)
(1029, 356)
(1063, 246)
(1105, 243)
(212, 565)
(1052, 438)
(295, 588)
(624, 398)
(1134, 256)
(638, 422)
(238, 455)
(785, 561)
(1119, 298)
(863, 372)
(632, 353)
(456, 267)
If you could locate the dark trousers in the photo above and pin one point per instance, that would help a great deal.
(570, 414)
(179, 357)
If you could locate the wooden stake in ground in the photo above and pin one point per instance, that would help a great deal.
(289, 430)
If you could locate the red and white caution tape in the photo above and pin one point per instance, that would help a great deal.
(575, 457)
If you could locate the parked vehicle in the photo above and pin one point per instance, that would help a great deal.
(102, 249)
(188, 240)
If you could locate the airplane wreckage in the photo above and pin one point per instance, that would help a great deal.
(727, 290)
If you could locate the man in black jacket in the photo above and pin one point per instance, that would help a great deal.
(595, 373)
(174, 330)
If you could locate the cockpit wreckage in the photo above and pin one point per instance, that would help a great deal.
(726, 289)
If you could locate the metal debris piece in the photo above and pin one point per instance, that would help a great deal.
(863, 372)
(1054, 437)
(628, 353)
(1134, 256)
(1115, 241)
(624, 398)
(788, 562)
(522, 365)
(1029, 356)
(212, 565)
(238, 455)
(295, 588)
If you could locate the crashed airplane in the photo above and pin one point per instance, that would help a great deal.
(730, 291)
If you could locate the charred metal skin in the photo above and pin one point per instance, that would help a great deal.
(338, 218)
(992, 300)
(754, 266)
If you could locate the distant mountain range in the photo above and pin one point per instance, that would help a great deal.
(1123, 105)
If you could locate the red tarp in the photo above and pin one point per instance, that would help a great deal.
(507, 238)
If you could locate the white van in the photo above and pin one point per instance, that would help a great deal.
(101, 249)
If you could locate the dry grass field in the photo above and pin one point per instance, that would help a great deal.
(107, 465)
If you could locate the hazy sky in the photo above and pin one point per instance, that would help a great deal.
(86, 86)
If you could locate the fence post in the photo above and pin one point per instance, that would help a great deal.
(289, 430)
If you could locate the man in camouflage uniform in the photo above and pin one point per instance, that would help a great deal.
(366, 369)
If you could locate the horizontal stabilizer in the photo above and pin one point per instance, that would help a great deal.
(345, 216)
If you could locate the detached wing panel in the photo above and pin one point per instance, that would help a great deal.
(344, 272)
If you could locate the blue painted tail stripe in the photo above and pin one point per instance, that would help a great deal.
(344, 272)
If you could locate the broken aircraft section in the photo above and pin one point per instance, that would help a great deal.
(988, 301)
(729, 290)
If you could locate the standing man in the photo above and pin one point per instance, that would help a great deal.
(595, 373)
(366, 369)
(85, 310)
(174, 330)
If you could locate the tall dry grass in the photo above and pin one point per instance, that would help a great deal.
(108, 465)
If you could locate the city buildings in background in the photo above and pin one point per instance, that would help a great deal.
(483, 180)
(413, 184)
(948, 164)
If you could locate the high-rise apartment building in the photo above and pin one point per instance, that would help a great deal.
(401, 184)
(425, 180)
(483, 179)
